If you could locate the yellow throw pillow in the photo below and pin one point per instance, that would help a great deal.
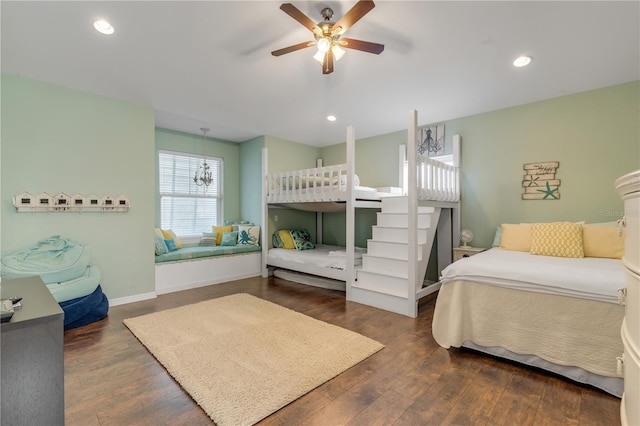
(220, 230)
(559, 239)
(602, 241)
(516, 237)
(168, 233)
(287, 240)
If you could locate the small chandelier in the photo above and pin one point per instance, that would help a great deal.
(203, 173)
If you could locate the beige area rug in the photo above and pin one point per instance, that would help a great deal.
(242, 358)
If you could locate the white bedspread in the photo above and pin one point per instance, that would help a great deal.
(325, 256)
(587, 278)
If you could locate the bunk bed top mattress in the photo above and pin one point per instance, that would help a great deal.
(587, 278)
(325, 256)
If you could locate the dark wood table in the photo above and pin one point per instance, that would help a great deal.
(32, 356)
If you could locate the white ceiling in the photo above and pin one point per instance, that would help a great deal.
(208, 63)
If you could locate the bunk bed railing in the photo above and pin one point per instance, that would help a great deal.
(437, 181)
(328, 183)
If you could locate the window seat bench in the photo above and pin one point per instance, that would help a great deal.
(191, 267)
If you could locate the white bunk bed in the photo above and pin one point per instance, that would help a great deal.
(336, 188)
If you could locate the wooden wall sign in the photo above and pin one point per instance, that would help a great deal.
(540, 181)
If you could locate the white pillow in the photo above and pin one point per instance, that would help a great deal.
(248, 235)
(209, 239)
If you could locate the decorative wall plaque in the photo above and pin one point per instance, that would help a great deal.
(539, 181)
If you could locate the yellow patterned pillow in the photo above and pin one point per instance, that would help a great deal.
(560, 239)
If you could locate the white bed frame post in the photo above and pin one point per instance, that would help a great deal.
(412, 196)
(265, 212)
(449, 223)
(350, 219)
(319, 227)
(402, 158)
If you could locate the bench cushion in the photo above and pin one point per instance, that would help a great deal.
(187, 253)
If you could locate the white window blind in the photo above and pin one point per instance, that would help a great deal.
(186, 208)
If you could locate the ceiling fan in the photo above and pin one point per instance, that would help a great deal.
(328, 34)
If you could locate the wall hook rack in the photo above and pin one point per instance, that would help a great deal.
(62, 202)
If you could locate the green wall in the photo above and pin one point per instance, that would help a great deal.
(230, 153)
(594, 135)
(58, 140)
(377, 158)
(251, 179)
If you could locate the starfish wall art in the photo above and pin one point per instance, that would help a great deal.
(540, 181)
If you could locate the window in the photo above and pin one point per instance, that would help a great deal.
(186, 208)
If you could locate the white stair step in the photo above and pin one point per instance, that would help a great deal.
(382, 283)
(391, 250)
(380, 300)
(385, 265)
(401, 205)
(396, 235)
(401, 220)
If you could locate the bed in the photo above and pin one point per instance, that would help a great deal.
(392, 273)
(555, 313)
(322, 188)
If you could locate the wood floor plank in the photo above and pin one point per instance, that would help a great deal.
(111, 379)
(477, 403)
(559, 403)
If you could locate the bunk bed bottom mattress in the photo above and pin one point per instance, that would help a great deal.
(325, 260)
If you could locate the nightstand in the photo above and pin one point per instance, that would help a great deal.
(460, 252)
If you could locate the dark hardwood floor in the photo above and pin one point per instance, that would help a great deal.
(111, 379)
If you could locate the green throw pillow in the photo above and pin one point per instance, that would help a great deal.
(302, 239)
(161, 247)
(171, 244)
(229, 238)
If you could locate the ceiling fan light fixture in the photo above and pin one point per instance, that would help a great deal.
(338, 52)
(331, 117)
(328, 34)
(324, 44)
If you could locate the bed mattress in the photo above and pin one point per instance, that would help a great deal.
(324, 256)
(586, 278)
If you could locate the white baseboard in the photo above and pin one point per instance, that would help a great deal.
(130, 299)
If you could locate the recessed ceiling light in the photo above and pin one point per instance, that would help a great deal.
(522, 61)
(103, 27)
(331, 117)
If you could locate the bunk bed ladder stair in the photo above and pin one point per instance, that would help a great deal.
(382, 281)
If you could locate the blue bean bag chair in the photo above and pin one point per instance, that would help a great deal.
(85, 310)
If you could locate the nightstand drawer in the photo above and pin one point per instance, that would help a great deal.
(461, 252)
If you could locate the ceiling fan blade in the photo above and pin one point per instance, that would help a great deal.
(295, 13)
(365, 46)
(293, 48)
(327, 64)
(352, 16)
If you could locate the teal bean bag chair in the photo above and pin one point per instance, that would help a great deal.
(81, 286)
(54, 259)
